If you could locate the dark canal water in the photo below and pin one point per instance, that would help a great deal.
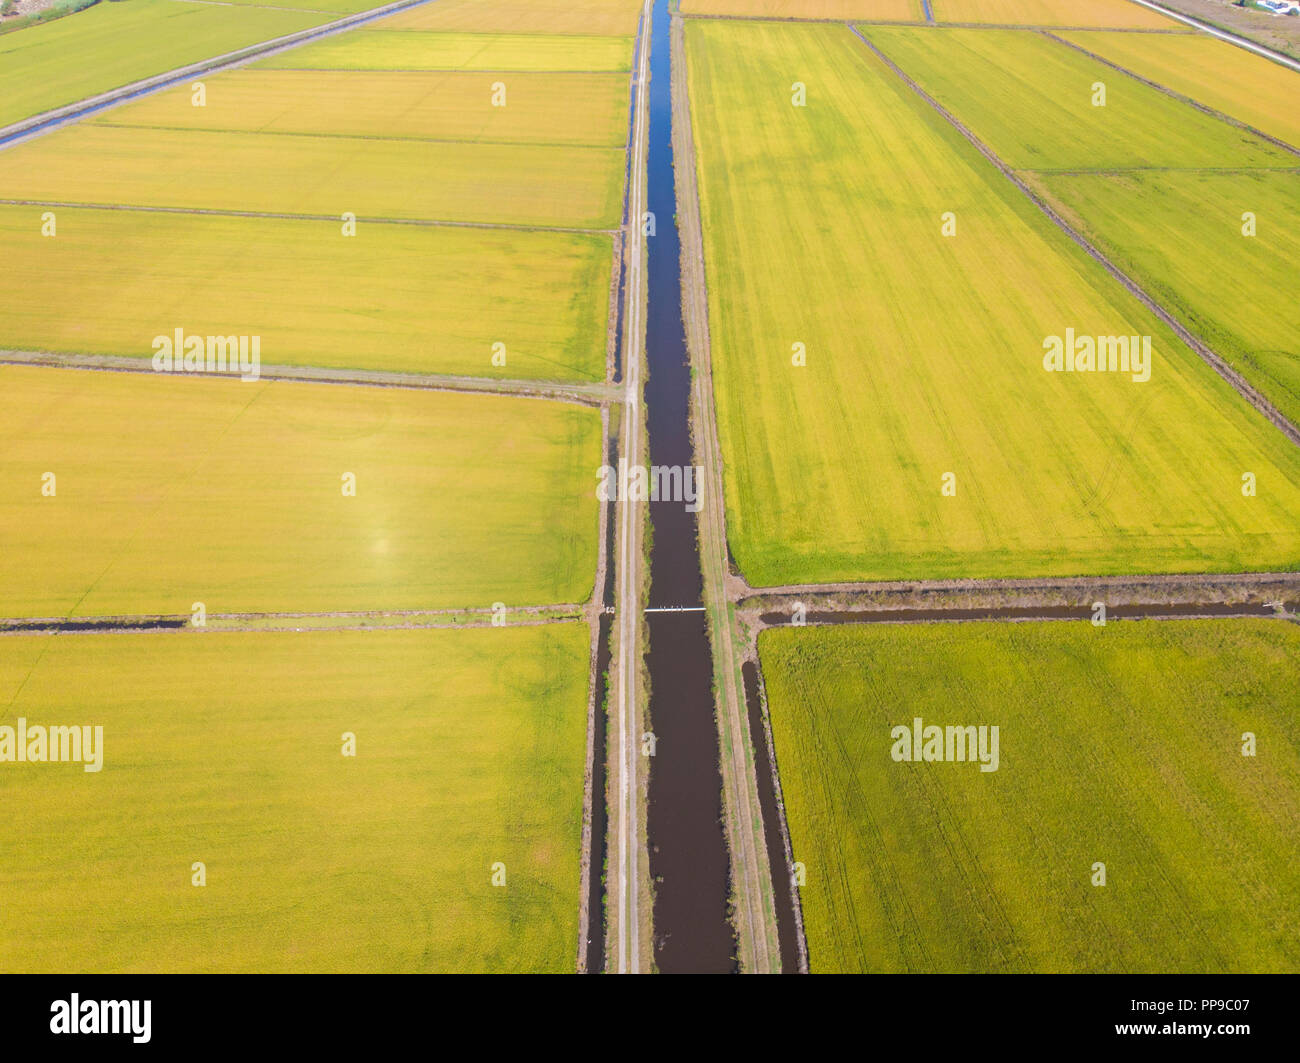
(688, 854)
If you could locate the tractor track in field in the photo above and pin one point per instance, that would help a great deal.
(590, 394)
(1239, 383)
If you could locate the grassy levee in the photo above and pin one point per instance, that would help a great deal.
(615, 18)
(1215, 73)
(570, 109)
(392, 49)
(1118, 14)
(171, 491)
(1119, 745)
(1184, 237)
(924, 353)
(420, 299)
(227, 749)
(1034, 103)
(531, 185)
(113, 44)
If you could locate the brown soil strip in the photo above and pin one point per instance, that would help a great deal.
(1242, 386)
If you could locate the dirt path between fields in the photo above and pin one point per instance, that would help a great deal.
(1242, 386)
(219, 212)
(352, 620)
(592, 394)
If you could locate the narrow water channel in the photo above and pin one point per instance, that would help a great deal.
(688, 854)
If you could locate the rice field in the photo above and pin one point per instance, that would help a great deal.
(573, 17)
(324, 176)
(885, 10)
(1108, 14)
(371, 49)
(1183, 235)
(1248, 87)
(174, 490)
(563, 109)
(1162, 188)
(52, 64)
(414, 201)
(419, 299)
(923, 438)
(227, 749)
(1035, 103)
(1119, 746)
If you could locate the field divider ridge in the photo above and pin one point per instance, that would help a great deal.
(222, 212)
(1248, 591)
(402, 619)
(586, 394)
(1207, 354)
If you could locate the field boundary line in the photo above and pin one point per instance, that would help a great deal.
(1204, 108)
(379, 137)
(439, 69)
(750, 861)
(46, 121)
(219, 212)
(1243, 387)
(584, 394)
(901, 617)
(1223, 35)
(1120, 171)
(523, 616)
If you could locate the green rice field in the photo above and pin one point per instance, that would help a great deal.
(1119, 745)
